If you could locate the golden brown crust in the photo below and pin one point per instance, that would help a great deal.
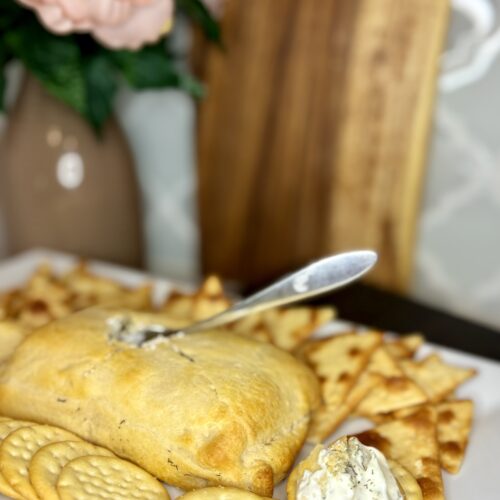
(204, 409)
(221, 493)
(11, 335)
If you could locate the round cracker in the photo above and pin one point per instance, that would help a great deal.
(18, 448)
(48, 462)
(7, 426)
(221, 493)
(109, 478)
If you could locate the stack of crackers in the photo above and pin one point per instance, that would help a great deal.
(49, 463)
(418, 422)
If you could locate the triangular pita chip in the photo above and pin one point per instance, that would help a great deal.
(43, 299)
(88, 289)
(412, 442)
(406, 346)
(252, 326)
(207, 301)
(454, 424)
(338, 361)
(290, 327)
(328, 417)
(454, 421)
(47, 296)
(394, 391)
(435, 377)
(210, 299)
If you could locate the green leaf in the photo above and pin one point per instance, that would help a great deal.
(101, 87)
(54, 60)
(197, 11)
(153, 67)
(10, 13)
(82, 73)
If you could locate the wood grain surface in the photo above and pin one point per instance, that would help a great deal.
(313, 137)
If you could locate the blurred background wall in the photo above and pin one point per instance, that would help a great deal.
(456, 257)
(457, 263)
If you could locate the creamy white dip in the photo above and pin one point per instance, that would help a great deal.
(349, 470)
(125, 330)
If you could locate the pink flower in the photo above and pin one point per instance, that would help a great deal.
(115, 23)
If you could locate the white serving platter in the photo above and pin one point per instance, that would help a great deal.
(479, 477)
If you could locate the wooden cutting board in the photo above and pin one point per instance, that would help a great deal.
(313, 137)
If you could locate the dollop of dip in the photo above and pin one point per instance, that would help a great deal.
(124, 329)
(349, 470)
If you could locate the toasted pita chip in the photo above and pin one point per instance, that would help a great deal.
(395, 391)
(252, 326)
(4, 306)
(290, 327)
(82, 281)
(212, 287)
(412, 442)
(327, 418)
(207, 301)
(11, 302)
(46, 296)
(286, 328)
(381, 362)
(179, 306)
(210, 299)
(41, 300)
(454, 421)
(11, 335)
(405, 346)
(139, 299)
(382, 418)
(435, 377)
(338, 362)
(89, 289)
(453, 429)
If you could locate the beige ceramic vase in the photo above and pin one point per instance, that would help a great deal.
(61, 187)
